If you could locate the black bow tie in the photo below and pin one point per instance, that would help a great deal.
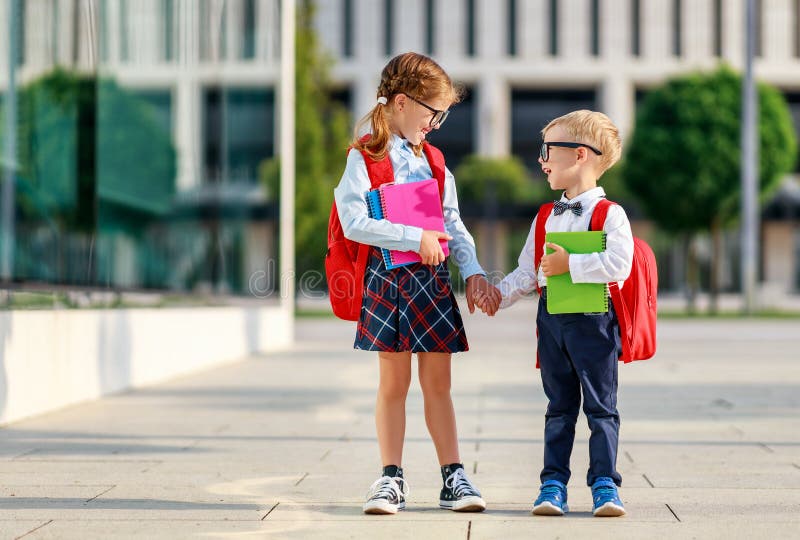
(561, 207)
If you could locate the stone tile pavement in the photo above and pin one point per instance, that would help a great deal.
(283, 446)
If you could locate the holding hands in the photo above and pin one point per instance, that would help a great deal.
(483, 294)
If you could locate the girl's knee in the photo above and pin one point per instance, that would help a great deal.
(432, 388)
(394, 389)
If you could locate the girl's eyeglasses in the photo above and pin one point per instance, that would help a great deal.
(438, 117)
(544, 151)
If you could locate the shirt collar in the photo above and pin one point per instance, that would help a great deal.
(398, 142)
(586, 196)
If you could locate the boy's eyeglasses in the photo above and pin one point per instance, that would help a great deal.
(438, 117)
(544, 151)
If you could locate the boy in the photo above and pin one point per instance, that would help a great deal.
(577, 352)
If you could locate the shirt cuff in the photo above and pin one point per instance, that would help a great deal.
(575, 268)
(470, 269)
(412, 238)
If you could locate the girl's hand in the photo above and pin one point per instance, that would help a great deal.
(489, 296)
(430, 251)
(557, 262)
(484, 303)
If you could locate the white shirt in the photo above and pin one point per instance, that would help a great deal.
(351, 203)
(613, 264)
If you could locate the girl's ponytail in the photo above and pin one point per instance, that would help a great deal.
(377, 143)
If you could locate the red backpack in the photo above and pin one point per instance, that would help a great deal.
(635, 303)
(346, 260)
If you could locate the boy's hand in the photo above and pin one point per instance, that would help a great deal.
(430, 251)
(478, 283)
(486, 304)
(557, 262)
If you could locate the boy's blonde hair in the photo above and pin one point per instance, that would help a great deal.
(595, 129)
(415, 75)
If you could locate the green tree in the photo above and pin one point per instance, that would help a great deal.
(322, 135)
(684, 159)
(485, 179)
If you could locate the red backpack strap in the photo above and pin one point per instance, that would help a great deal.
(538, 237)
(599, 214)
(380, 171)
(436, 162)
(598, 221)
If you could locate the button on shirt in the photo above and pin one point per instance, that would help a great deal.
(613, 264)
(351, 202)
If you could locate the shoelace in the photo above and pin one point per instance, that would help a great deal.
(388, 488)
(602, 492)
(550, 490)
(460, 484)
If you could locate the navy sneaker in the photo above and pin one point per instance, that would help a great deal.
(458, 493)
(552, 500)
(606, 498)
(386, 495)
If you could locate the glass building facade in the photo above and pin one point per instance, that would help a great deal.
(137, 140)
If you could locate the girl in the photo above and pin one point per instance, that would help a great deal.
(411, 309)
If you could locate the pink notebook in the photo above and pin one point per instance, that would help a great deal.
(415, 203)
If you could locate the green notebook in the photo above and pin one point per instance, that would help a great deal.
(564, 296)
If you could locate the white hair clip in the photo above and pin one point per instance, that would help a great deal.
(382, 100)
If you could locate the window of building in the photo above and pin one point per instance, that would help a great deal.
(553, 18)
(595, 33)
(512, 27)
(677, 27)
(168, 28)
(347, 30)
(159, 105)
(249, 36)
(457, 138)
(430, 25)
(793, 99)
(213, 30)
(718, 26)
(759, 32)
(388, 27)
(796, 10)
(636, 27)
(531, 110)
(124, 31)
(238, 132)
(470, 34)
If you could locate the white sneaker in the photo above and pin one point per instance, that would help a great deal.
(386, 495)
(459, 495)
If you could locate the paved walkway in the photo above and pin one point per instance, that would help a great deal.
(283, 446)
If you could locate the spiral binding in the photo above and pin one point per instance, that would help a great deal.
(608, 291)
(374, 204)
(377, 209)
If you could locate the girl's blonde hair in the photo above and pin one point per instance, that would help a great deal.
(595, 129)
(415, 75)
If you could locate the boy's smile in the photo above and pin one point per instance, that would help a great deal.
(561, 162)
(571, 170)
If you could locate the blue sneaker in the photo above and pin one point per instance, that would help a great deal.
(606, 499)
(552, 500)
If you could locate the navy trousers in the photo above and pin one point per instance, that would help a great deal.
(578, 353)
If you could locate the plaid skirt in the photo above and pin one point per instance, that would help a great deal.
(411, 308)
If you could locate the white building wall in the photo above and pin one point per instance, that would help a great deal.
(55, 358)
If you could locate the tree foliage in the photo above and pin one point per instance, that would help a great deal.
(507, 176)
(684, 160)
(322, 136)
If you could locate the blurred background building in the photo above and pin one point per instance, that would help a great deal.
(525, 62)
(132, 134)
(139, 140)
